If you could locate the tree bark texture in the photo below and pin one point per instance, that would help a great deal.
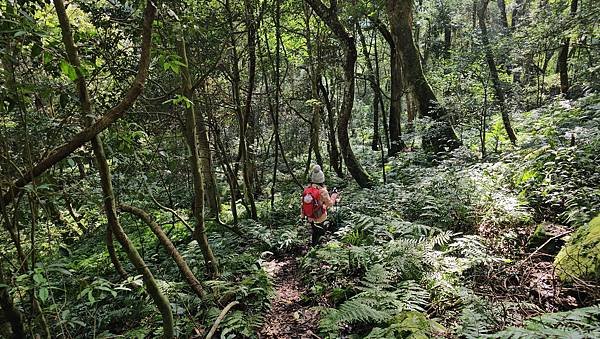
(329, 16)
(441, 136)
(191, 134)
(498, 88)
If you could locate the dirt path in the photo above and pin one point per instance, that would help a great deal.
(289, 316)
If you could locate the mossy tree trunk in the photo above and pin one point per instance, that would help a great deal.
(191, 137)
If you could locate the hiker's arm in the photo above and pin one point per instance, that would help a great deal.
(335, 197)
(327, 200)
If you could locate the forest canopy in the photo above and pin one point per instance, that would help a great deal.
(156, 157)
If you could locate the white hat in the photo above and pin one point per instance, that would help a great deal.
(317, 176)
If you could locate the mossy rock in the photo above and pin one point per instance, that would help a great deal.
(580, 257)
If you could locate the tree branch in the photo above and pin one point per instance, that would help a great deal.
(101, 124)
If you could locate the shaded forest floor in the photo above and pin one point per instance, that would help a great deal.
(451, 246)
(290, 315)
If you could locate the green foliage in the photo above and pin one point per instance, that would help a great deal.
(378, 301)
(577, 323)
(560, 179)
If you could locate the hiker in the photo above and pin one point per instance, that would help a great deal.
(315, 202)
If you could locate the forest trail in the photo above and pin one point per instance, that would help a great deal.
(289, 316)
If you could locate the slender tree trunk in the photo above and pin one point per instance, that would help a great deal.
(329, 16)
(517, 12)
(503, 16)
(441, 136)
(211, 191)
(381, 104)
(498, 88)
(247, 121)
(88, 117)
(168, 246)
(563, 57)
(315, 72)
(195, 166)
(112, 253)
(396, 90)
(334, 153)
(396, 143)
(374, 87)
(447, 40)
(105, 177)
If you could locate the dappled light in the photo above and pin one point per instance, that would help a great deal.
(300, 169)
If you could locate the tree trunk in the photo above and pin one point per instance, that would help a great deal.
(440, 137)
(105, 177)
(447, 40)
(195, 166)
(517, 12)
(498, 89)
(329, 16)
(168, 246)
(380, 95)
(563, 57)
(374, 87)
(63, 151)
(211, 191)
(503, 16)
(247, 121)
(315, 73)
(334, 153)
(396, 90)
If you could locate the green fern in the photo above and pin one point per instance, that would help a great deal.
(577, 323)
(377, 303)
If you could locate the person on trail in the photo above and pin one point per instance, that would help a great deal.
(315, 202)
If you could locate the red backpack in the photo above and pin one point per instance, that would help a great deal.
(312, 206)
